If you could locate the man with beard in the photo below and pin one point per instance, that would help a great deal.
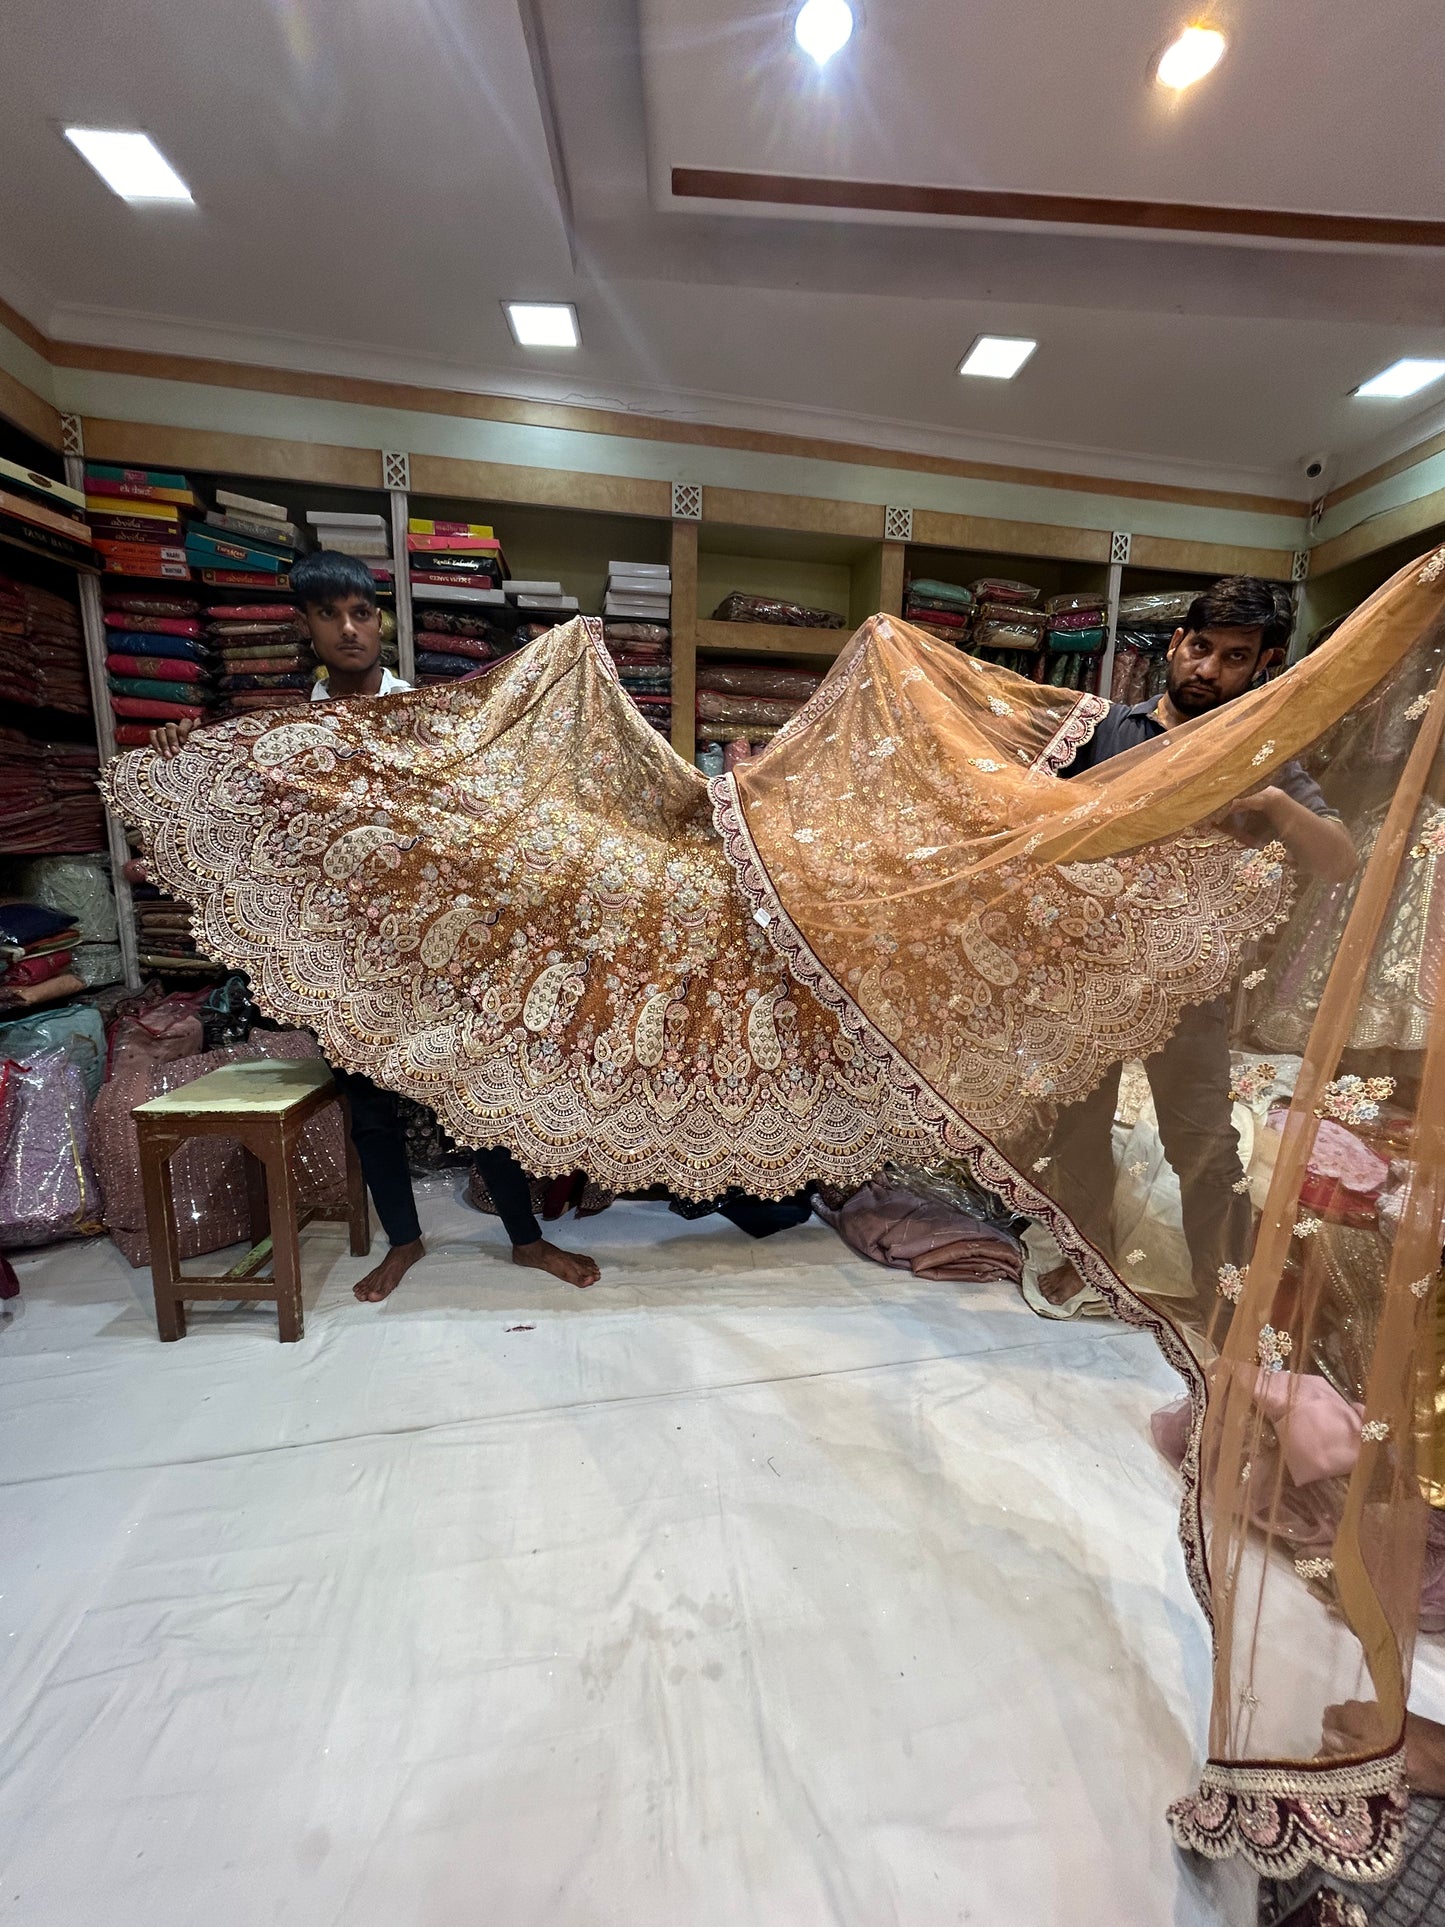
(1231, 636)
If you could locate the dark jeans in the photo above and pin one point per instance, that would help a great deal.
(1190, 1080)
(381, 1146)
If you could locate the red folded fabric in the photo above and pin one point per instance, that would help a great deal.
(157, 668)
(252, 612)
(138, 708)
(153, 625)
(36, 970)
(430, 642)
(132, 735)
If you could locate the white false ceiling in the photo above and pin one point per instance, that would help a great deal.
(372, 181)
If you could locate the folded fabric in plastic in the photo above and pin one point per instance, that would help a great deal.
(142, 709)
(738, 607)
(135, 642)
(756, 679)
(440, 643)
(143, 605)
(726, 711)
(950, 595)
(48, 1188)
(998, 588)
(172, 669)
(187, 626)
(1083, 641)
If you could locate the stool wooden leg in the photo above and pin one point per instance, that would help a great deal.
(155, 1164)
(256, 1197)
(358, 1205)
(285, 1243)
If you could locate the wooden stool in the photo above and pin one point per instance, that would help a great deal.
(265, 1105)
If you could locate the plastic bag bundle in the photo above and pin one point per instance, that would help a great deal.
(738, 607)
(208, 1175)
(47, 1185)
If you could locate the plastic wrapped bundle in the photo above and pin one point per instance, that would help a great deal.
(996, 588)
(756, 679)
(1168, 608)
(1079, 602)
(999, 631)
(208, 1175)
(728, 713)
(47, 1186)
(738, 607)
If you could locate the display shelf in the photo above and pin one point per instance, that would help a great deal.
(839, 573)
(570, 546)
(770, 639)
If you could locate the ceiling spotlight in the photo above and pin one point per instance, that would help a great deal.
(1401, 378)
(543, 324)
(1196, 52)
(998, 357)
(131, 165)
(823, 28)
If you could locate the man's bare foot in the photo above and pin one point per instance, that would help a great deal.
(572, 1267)
(384, 1279)
(1060, 1285)
(1354, 1728)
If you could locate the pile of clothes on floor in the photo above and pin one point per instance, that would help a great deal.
(940, 609)
(936, 1222)
(1145, 626)
(159, 666)
(1076, 629)
(42, 649)
(48, 795)
(742, 705)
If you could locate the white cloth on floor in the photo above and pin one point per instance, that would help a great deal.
(755, 1586)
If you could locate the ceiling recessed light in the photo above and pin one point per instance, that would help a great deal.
(999, 357)
(1196, 52)
(1401, 378)
(823, 28)
(543, 324)
(131, 165)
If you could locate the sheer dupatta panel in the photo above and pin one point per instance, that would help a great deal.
(1069, 980)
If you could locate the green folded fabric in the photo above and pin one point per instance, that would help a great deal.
(952, 594)
(157, 691)
(1077, 641)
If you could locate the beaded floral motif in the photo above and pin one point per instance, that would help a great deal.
(1254, 979)
(1240, 1186)
(1231, 1283)
(1274, 1348)
(1249, 1082)
(1307, 1226)
(1374, 1430)
(985, 763)
(1136, 1257)
(1262, 754)
(1314, 1568)
(1433, 567)
(1432, 841)
(1420, 707)
(1355, 1100)
(1420, 1288)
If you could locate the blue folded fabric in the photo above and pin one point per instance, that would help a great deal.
(25, 923)
(125, 643)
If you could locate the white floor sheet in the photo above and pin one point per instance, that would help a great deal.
(755, 1586)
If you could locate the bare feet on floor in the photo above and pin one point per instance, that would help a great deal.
(1061, 1284)
(572, 1267)
(384, 1279)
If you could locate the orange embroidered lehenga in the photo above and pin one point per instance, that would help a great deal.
(894, 935)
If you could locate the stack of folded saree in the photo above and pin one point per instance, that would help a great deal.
(942, 609)
(742, 705)
(642, 651)
(42, 650)
(158, 666)
(264, 657)
(451, 644)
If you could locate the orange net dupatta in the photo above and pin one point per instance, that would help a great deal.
(1079, 979)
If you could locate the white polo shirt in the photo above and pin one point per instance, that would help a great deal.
(321, 691)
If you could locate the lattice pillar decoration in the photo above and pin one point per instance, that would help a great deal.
(396, 480)
(687, 501)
